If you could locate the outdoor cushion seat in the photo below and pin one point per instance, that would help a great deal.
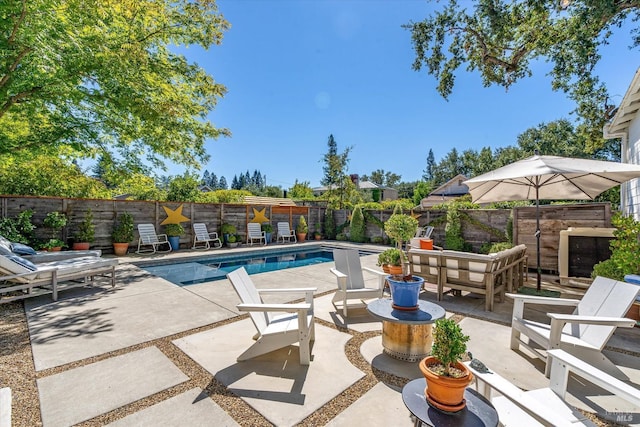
(40, 257)
(19, 277)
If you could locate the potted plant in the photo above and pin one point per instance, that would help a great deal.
(173, 232)
(395, 260)
(122, 234)
(401, 228)
(383, 261)
(227, 230)
(302, 229)
(85, 234)
(317, 234)
(268, 231)
(233, 240)
(446, 376)
(55, 221)
(53, 245)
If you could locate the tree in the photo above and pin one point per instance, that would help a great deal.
(500, 39)
(335, 173)
(431, 164)
(222, 184)
(421, 190)
(449, 167)
(140, 187)
(301, 190)
(184, 188)
(99, 77)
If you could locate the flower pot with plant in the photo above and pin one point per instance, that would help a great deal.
(383, 261)
(317, 234)
(268, 231)
(227, 230)
(122, 234)
(302, 229)
(173, 232)
(55, 222)
(233, 241)
(85, 234)
(401, 228)
(446, 376)
(394, 259)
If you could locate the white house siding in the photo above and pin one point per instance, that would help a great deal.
(633, 186)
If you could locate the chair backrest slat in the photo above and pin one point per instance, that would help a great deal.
(148, 233)
(605, 298)
(200, 231)
(248, 294)
(254, 229)
(348, 262)
(283, 229)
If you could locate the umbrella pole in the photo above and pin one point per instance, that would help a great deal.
(538, 269)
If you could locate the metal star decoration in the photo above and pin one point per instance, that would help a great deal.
(259, 216)
(174, 216)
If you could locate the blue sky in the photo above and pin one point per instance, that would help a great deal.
(298, 71)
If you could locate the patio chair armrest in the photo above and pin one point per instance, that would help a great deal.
(533, 299)
(162, 235)
(569, 362)
(287, 308)
(592, 320)
(338, 274)
(285, 290)
(382, 276)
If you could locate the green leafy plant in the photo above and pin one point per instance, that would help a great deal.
(358, 226)
(232, 238)
(266, 227)
(329, 224)
(227, 228)
(18, 229)
(449, 344)
(53, 243)
(86, 229)
(391, 256)
(401, 227)
(123, 229)
(56, 222)
(302, 225)
(173, 230)
(341, 237)
(625, 248)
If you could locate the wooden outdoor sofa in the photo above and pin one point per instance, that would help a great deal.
(489, 275)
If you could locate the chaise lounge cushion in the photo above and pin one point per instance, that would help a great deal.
(21, 249)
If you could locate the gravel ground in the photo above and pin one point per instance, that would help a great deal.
(18, 372)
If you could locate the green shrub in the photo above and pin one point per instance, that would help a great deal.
(625, 248)
(329, 224)
(123, 229)
(401, 227)
(19, 229)
(266, 227)
(342, 237)
(302, 225)
(86, 229)
(377, 239)
(227, 228)
(173, 230)
(357, 228)
(492, 248)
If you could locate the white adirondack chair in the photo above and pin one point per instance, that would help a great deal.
(202, 239)
(294, 323)
(284, 232)
(148, 237)
(547, 406)
(583, 333)
(254, 232)
(351, 284)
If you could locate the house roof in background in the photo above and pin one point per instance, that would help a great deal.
(628, 108)
(273, 201)
(453, 187)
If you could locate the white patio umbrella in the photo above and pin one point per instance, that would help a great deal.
(546, 178)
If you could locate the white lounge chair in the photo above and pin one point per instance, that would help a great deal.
(148, 237)
(19, 278)
(284, 232)
(254, 232)
(202, 239)
(547, 406)
(583, 333)
(295, 323)
(351, 285)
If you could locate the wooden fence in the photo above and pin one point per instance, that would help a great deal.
(553, 219)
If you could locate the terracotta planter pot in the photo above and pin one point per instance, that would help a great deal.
(395, 269)
(120, 249)
(385, 268)
(81, 246)
(445, 393)
(56, 249)
(301, 237)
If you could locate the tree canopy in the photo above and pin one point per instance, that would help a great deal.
(502, 39)
(100, 77)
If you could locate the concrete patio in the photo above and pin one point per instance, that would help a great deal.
(149, 352)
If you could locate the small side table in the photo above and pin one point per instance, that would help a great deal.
(406, 335)
(477, 412)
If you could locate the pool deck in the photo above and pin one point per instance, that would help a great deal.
(148, 352)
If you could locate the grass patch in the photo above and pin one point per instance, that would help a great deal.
(540, 293)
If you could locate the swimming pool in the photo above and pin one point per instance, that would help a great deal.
(217, 267)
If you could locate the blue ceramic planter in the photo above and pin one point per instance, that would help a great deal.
(174, 241)
(405, 294)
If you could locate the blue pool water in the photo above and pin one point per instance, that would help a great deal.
(216, 268)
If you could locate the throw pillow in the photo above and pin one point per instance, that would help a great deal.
(20, 249)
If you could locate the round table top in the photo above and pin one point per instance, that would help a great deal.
(477, 412)
(427, 312)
